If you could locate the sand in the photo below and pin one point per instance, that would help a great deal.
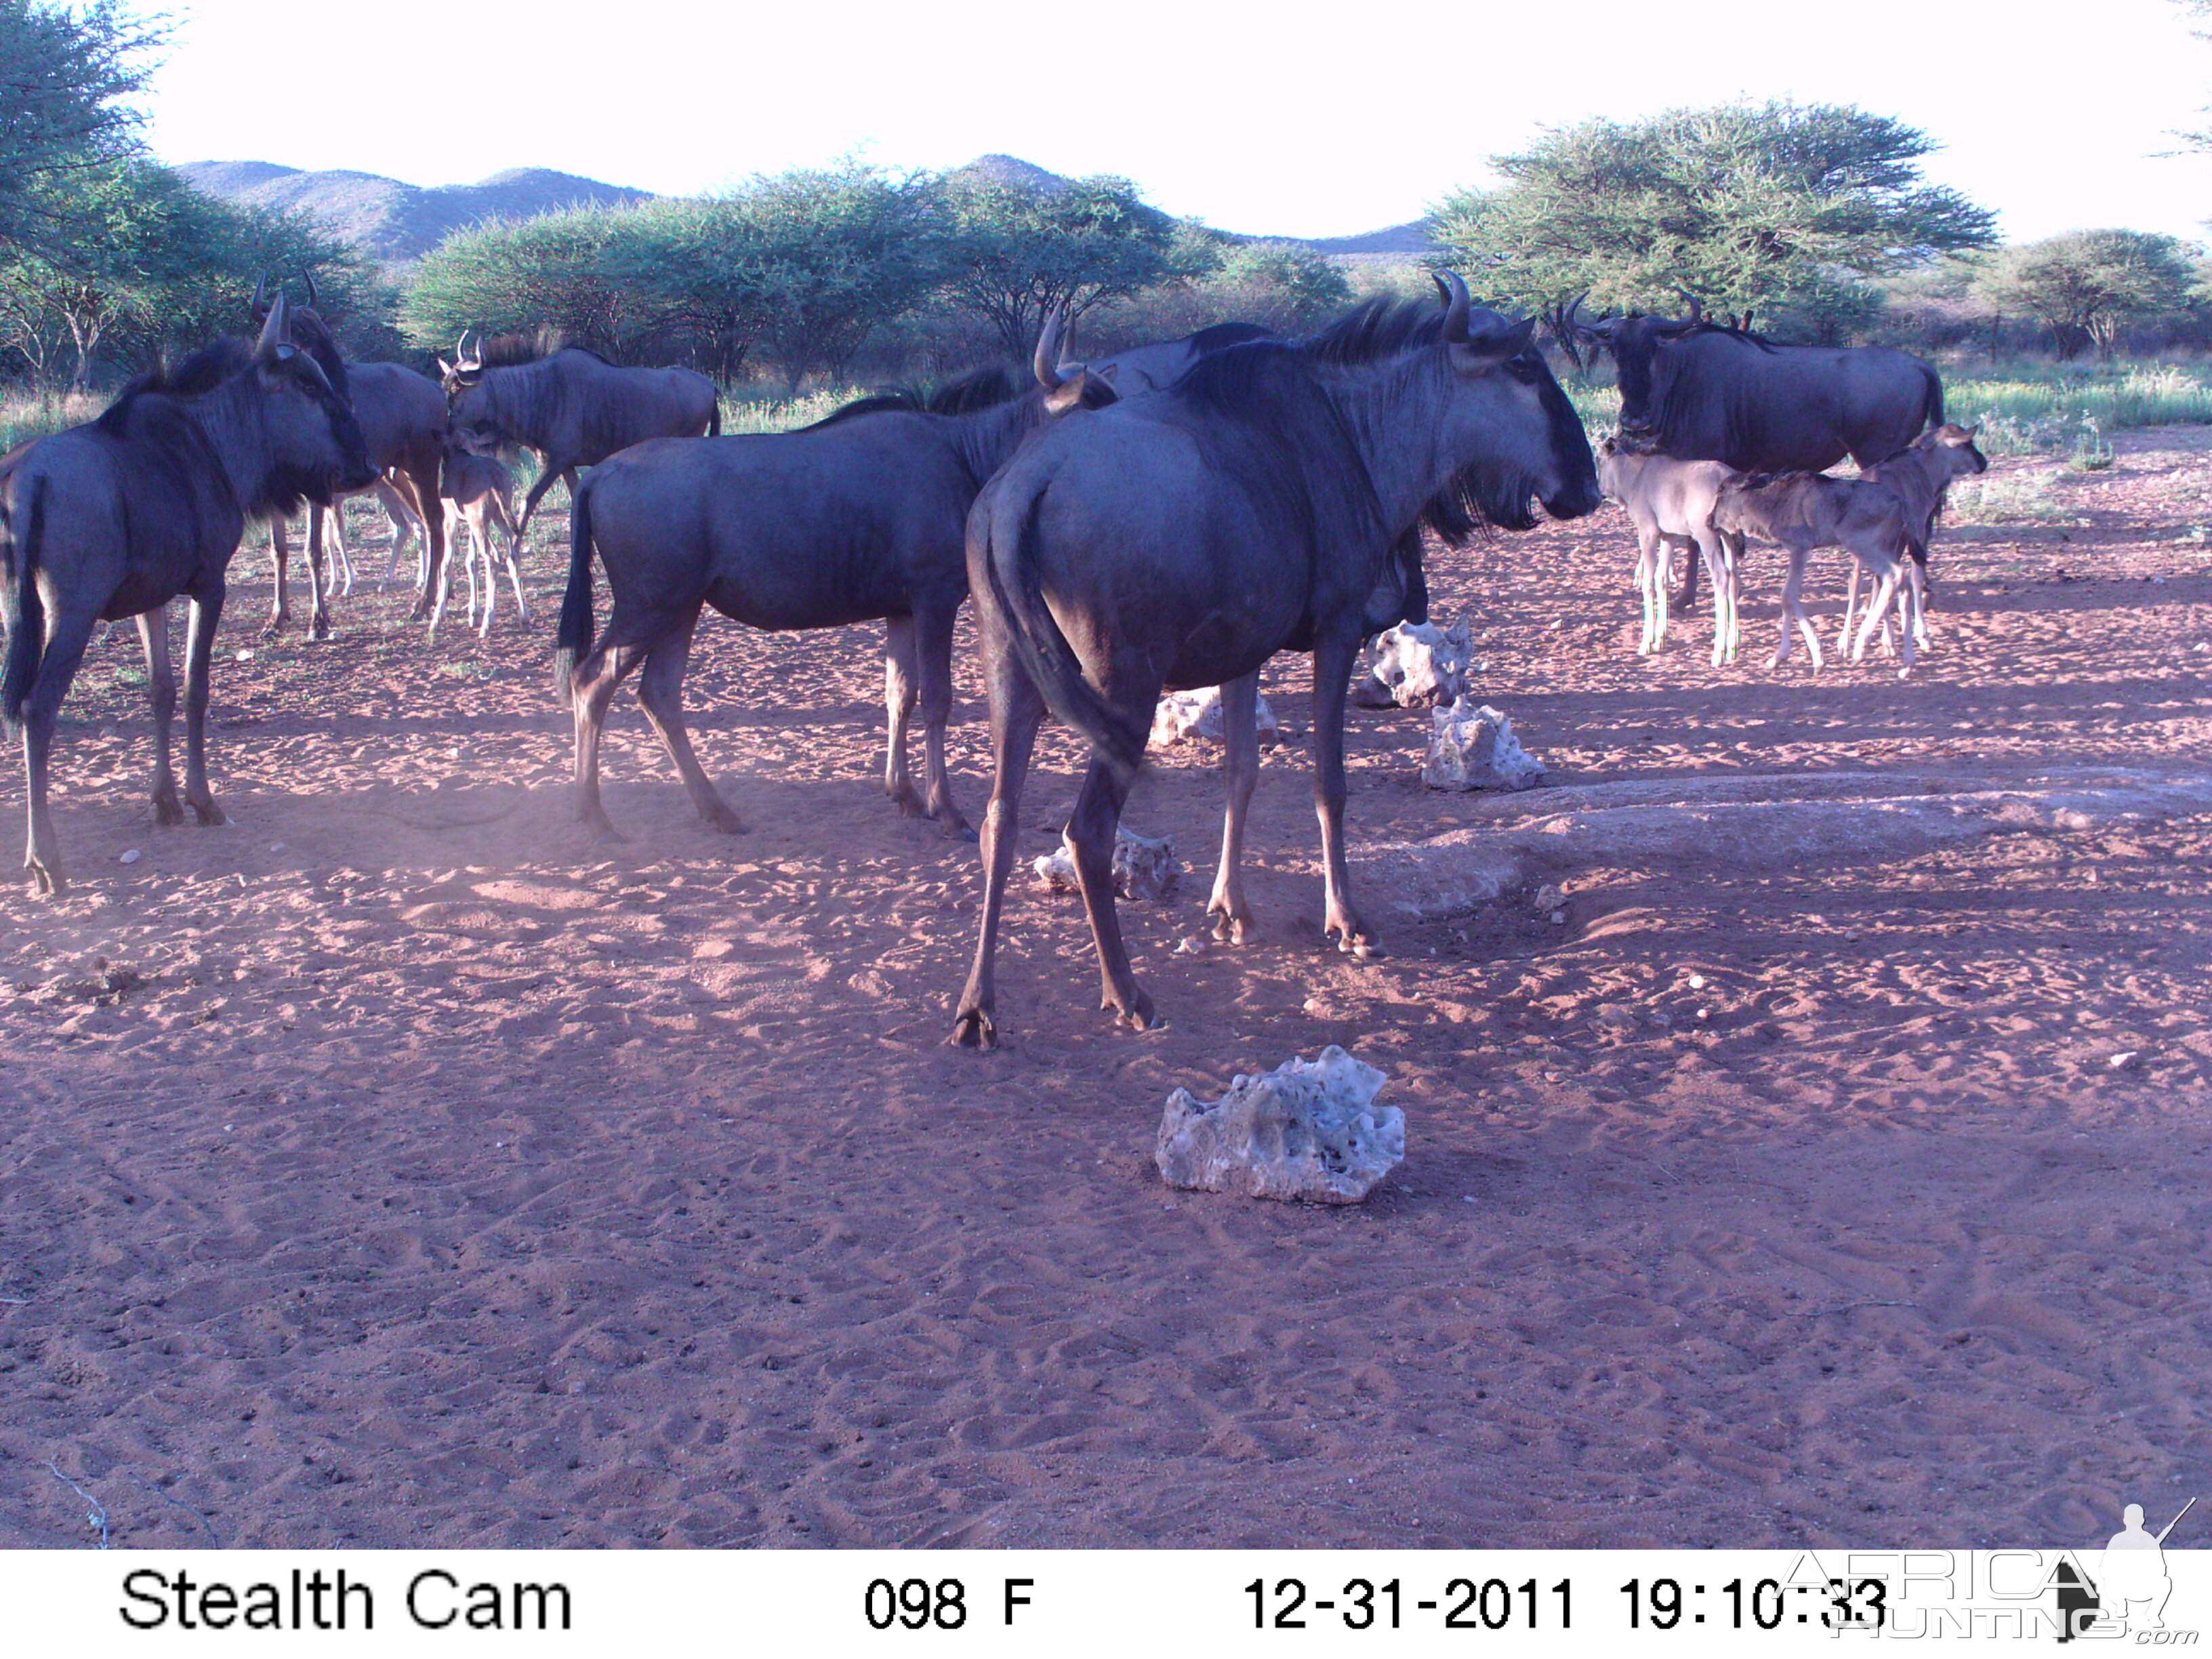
(398, 1167)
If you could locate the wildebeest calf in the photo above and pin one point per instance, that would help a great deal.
(1670, 502)
(479, 495)
(1920, 475)
(1801, 511)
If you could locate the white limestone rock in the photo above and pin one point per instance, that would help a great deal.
(1144, 867)
(1417, 666)
(1474, 748)
(1185, 715)
(1308, 1130)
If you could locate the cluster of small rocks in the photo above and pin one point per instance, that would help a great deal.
(1417, 666)
(1183, 715)
(1474, 748)
(1308, 1130)
(1145, 866)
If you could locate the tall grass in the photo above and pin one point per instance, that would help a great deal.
(37, 414)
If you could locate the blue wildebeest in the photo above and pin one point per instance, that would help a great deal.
(1149, 367)
(116, 518)
(1670, 502)
(1702, 391)
(1181, 539)
(1920, 476)
(571, 406)
(857, 517)
(1802, 511)
(402, 419)
(479, 497)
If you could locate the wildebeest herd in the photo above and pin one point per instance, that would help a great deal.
(1168, 518)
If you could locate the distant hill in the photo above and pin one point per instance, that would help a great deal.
(393, 221)
(390, 219)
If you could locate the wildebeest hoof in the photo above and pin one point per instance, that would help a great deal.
(726, 822)
(168, 809)
(1231, 928)
(211, 816)
(270, 629)
(960, 830)
(973, 1029)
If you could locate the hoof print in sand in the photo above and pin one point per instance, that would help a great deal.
(1308, 1130)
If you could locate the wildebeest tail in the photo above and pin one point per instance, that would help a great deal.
(1932, 405)
(19, 533)
(573, 641)
(714, 418)
(1018, 590)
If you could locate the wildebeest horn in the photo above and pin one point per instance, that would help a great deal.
(1457, 305)
(314, 299)
(1047, 361)
(276, 331)
(260, 306)
(1696, 306)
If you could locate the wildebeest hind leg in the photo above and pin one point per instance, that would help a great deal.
(1091, 829)
(1332, 660)
(1240, 769)
(660, 689)
(66, 639)
(899, 699)
(1015, 712)
(932, 624)
(199, 652)
(161, 693)
(593, 687)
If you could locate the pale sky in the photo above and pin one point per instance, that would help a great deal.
(1319, 122)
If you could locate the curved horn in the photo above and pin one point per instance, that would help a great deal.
(1047, 361)
(276, 330)
(260, 305)
(314, 299)
(1457, 305)
(1697, 307)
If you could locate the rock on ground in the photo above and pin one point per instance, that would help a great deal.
(1144, 867)
(1183, 715)
(1308, 1130)
(1474, 748)
(1417, 666)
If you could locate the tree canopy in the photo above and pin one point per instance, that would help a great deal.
(64, 73)
(1773, 208)
(2087, 285)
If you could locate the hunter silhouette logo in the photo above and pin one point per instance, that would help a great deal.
(2131, 1584)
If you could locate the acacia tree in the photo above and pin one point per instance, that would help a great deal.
(1769, 210)
(1020, 247)
(2087, 285)
(63, 74)
(562, 271)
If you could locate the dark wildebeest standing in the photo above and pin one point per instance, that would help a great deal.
(1150, 367)
(571, 407)
(403, 418)
(479, 494)
(857, 517)
(1701, 392)
(1181, 539)
(116, 518)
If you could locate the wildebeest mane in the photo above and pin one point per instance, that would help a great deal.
(529, 346)
(985, 388)
(1215, 336)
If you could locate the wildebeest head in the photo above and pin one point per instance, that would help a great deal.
(1510, 417)
(315, 445)
(1634, 341)
(468, 422)
(308, 331)
(1967, 456)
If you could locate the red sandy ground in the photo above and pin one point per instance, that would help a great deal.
(396, 1168)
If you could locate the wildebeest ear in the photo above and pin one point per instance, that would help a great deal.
(1486, 351)
(1068, 394)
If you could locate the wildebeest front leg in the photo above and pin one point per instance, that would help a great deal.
(1792, 610)
(1091, 829)
(66, 638)
(933, 626)
(1240, 770)
(660, 689)
(899, 698)
(161, 693)
(568, 474)
(280, 555)
(1333, 658)
(199, 654)
(318, 613)
(592, 688)
(1015, 712)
